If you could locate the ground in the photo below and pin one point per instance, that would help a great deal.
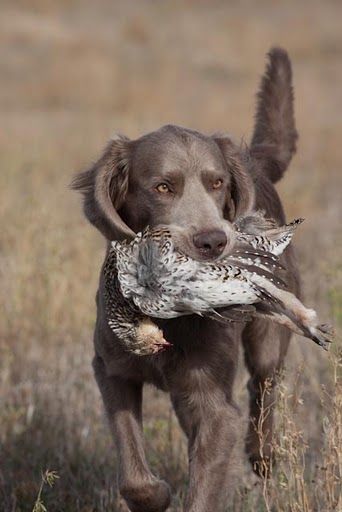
(72, 73)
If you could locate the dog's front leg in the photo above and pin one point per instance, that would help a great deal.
(122, 399)
(212, 427)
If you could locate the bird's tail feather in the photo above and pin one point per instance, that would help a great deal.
(276, 233)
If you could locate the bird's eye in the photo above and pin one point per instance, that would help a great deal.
(217, 184)
(163, 188)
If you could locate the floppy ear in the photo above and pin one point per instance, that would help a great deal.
(240, 197)
(274, 139)
(104, 187)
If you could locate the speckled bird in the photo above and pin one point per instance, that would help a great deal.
(148, 278)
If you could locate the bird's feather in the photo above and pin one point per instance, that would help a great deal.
(148, 277)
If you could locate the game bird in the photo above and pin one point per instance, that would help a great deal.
(149, 278)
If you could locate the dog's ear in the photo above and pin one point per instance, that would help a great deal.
(104, 186)
(274, 139)
(240, 196)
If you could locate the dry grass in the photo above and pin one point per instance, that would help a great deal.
(72, 73)
(292, 483)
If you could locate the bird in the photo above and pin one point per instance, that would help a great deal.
(149, 278)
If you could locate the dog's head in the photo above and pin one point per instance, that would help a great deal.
(193, 183)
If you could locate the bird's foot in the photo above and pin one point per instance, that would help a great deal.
(323, 335)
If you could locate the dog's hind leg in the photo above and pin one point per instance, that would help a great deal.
(265, 346)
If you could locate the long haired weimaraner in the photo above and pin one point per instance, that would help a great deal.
(196, 184)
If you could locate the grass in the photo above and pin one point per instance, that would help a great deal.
(292, 482)
(49, 478)
(72, 73)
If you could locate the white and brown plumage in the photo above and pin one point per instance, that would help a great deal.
(149, 278)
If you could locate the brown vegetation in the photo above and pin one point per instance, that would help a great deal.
(72, 73)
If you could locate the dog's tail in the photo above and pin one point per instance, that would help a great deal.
(274, 139)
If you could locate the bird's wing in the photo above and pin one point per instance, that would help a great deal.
(247, 255)
(266, 272)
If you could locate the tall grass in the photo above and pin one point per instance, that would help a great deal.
(291, 483)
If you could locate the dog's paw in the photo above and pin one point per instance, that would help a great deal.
(151, 496)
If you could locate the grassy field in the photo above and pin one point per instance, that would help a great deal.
(72, 73)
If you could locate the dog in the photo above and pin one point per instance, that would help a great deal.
(197, 185)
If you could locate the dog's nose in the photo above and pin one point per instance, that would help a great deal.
(210, 243)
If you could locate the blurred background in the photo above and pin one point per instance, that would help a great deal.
(72, 73)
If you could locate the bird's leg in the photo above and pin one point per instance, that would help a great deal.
(293, 314)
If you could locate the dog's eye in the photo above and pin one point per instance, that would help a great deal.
(217, 184)
(163, 188)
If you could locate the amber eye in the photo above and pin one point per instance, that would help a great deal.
(163, 188)
(217, 184)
